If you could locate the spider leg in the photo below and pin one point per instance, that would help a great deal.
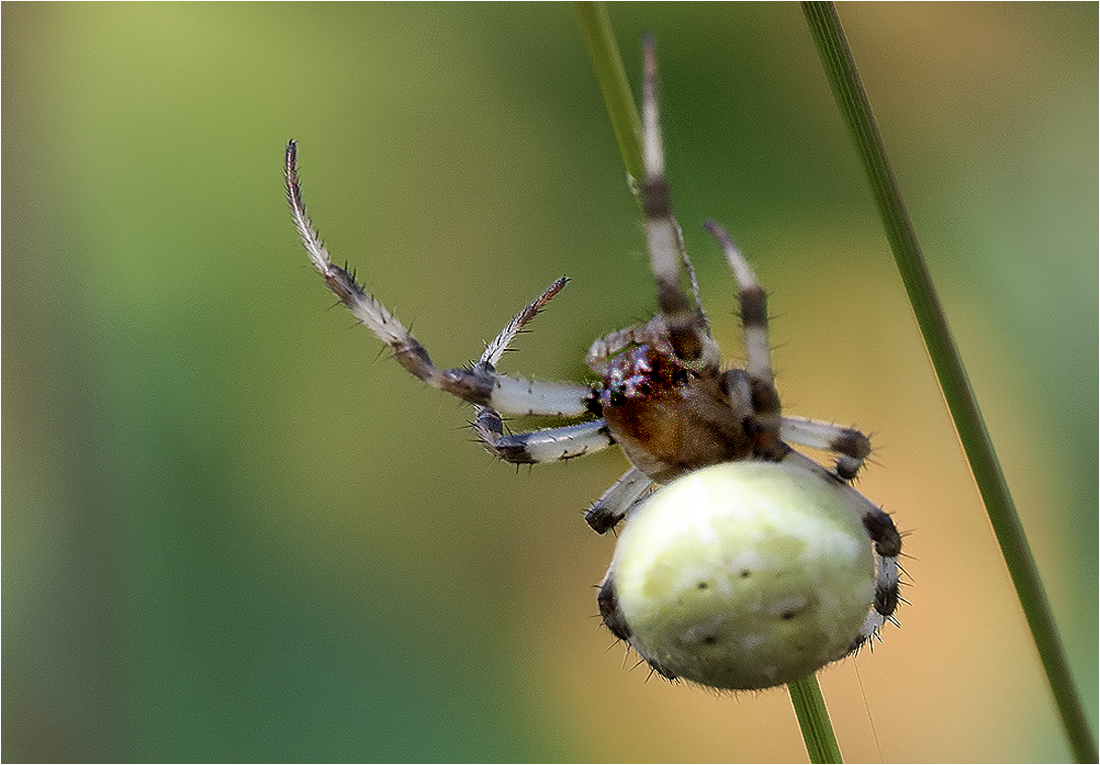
(758, 361)
(623, 496)
(887, 544)
(548, 445)
(482, 387)
(496, 349)
(615, 621)
(852, 446)
(880, 527)
(684, 318)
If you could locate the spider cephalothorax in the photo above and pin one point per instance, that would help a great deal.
(669, 417)
(748, 584)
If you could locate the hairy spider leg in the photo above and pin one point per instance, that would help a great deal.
(852, 446)
(495, 350)
(887, 542)
(754, 307)
(688, 332)
(537, 446)
(763, 396)
(548, 445)
(478, 386)
(618, 501)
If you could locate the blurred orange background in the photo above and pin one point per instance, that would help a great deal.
(234, 530)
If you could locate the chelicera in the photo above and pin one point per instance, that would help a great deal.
(663, 396)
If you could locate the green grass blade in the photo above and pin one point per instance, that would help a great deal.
(608, 65)
(843, 77)
(813, 718)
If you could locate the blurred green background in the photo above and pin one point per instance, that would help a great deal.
(233, 530)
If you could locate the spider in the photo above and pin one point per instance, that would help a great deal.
(666, 401)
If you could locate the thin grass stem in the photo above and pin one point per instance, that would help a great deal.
(840, 68)
(608, 65)
(813, 719)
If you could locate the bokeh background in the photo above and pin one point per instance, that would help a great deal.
(234, 530)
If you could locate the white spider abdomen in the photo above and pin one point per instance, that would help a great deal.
(744, 575)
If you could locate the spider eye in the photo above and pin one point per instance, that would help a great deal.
(744, 575)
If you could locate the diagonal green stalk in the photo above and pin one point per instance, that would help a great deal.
(844, 78)
(608, 65)
(813, 717)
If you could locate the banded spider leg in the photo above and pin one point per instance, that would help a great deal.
(491, 392)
